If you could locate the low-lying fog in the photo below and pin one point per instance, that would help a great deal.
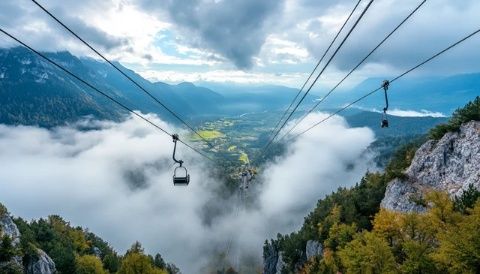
(117, 180)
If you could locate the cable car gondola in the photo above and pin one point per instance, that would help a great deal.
(180, 174)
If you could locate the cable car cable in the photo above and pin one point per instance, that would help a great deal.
(99, 91)
(353, 69)
(321, 72)
(124, 74)
(316, 66)
(391, 81)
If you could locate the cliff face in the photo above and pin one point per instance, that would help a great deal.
(8, 227)
(270, 259)
(273, 262)
(450, 164)
(42, 264)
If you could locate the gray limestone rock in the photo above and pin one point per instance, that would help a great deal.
(450, 164)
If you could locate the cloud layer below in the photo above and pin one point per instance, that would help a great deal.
(116, 179)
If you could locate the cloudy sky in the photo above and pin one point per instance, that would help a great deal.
(250, 41)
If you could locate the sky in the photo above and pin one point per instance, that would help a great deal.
(250, 41)
(117, 182)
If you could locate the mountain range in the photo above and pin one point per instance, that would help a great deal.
(433, 94)
(34, 92)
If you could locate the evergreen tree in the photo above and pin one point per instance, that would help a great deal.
(467, 200)
(470, 112)
(159, 262)
(7, 249)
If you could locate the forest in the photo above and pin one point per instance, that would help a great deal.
(74, 250)
(359, 237)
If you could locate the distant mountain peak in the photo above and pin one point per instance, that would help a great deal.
(186, 85)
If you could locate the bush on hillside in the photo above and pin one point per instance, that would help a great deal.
(339, 214)
(3, 210)
(470, 112)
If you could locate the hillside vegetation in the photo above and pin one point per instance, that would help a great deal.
(75, 250)
(443, 240)
(462, 115)
(359, 237)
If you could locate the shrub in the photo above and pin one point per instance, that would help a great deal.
(7, 250)
(3, 210)
(470, 112)
(88, 264)
(467, 200)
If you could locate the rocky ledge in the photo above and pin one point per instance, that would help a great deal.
(41, 264)
(450, 164)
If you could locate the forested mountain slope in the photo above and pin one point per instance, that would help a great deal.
(52, 245)
(350, 232)
(33, 91)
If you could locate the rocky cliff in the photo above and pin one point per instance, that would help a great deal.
(450, 164)
(8, 227)
(41, 264)
(270, 258)
(273, 262)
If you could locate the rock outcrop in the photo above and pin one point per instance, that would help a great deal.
(8, 227)
(313, 249)
(280, 263)
(273, 262)
(43, 264)
(270, 259)
(97, 252)
(450, 164)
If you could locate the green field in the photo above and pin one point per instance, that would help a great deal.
(234, 138)
(208, 134)
(244, 158)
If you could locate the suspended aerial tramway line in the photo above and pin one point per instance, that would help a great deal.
(386, 85)
(352, 70)
(135, 83)
(181, 176)
(314, 69)
(272, 139)
(177, 179)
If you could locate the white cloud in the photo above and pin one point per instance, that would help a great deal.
(413, 113)
(284, 38)
(276, 50)
(117, 181)
(223, 76)
(327, 157)
(409, 113)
